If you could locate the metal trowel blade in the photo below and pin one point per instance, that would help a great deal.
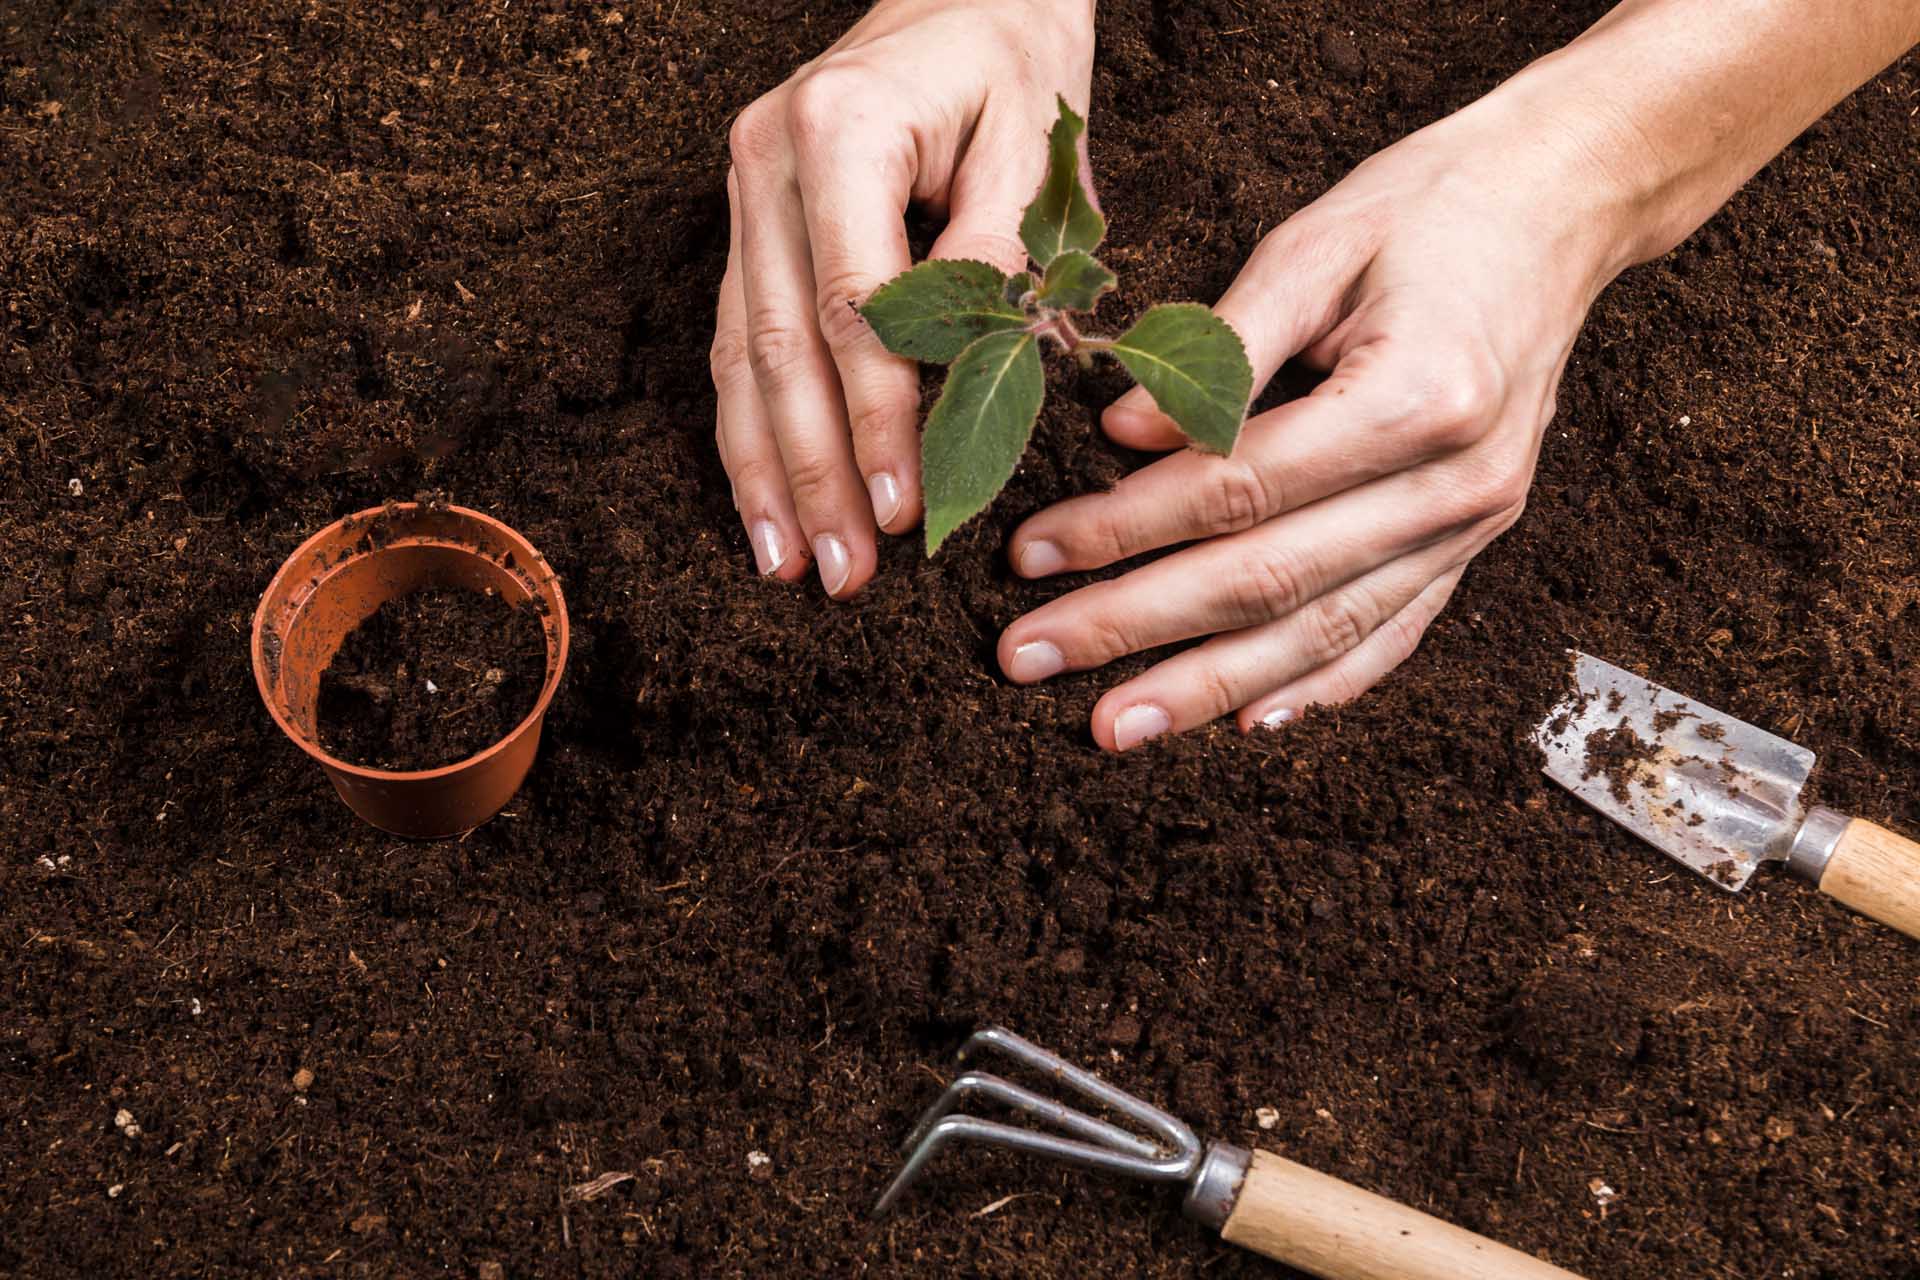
(1716, 793)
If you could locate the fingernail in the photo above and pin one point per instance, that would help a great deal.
(834, 563)
(1040, 558)
(1137, 723)
(1278, 716)
(768, 551)
(885, 495)
(1035, 661)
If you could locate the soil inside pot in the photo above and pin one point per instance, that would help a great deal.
(430, 679)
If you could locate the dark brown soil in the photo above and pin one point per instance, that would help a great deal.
(265, 265)
(431, 678)
(1618, 753)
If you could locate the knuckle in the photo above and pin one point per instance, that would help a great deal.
(1237, 497)
(1109, 636)
(1496, 495)
(818, 106)
(1219, 692)
(838, 304)
(756, 133)
(1111, 535)
(1456, 401)
(1401, 635)
(877, 422)
(1341, 623)
(755, 478)
(1266, 585)
(774, 347)
(814, 480)
(1345, 683)
(728, 358)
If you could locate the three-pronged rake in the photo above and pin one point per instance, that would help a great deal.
(1254, 1199)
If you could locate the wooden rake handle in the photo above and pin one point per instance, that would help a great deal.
(1877, 873)
(1334, 1230)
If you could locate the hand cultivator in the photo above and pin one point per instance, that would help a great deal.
(1255, 1199)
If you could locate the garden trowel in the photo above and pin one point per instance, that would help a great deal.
(1718, 794)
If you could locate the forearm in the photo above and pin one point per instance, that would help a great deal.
(1674, 104)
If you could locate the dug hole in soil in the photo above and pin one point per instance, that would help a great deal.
(265, 266)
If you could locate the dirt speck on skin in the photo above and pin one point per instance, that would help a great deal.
(778, 856)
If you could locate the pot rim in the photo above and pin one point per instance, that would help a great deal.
(556, 660)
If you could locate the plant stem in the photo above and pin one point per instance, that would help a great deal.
(1063, 329)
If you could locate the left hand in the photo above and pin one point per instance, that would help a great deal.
(1443, 283)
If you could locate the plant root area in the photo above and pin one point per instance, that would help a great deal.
(264, 265)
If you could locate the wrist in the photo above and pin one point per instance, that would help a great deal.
(1638, 198)
(1547, 184)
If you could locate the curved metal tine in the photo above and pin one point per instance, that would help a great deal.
(950, 1129)
(1053, 1112)
(1178, 1135)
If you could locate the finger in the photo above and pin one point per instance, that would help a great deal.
(795, 374)
(747, 448)
(995, 181)
(1379, 413)
(855, 203)
(1346, 678)
(1229, 671)
(1244, 579)
(1292, 290)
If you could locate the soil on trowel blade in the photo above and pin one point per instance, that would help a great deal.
(266, 265)
(431, 678)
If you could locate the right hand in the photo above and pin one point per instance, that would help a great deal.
(928, 101)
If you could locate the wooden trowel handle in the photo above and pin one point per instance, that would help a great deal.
(1877, 873)
(1334, 1230)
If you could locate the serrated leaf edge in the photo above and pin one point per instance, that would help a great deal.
(998, 292)
(1238, 342)
(934, 543)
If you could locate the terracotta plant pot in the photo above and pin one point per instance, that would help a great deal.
(334, 582)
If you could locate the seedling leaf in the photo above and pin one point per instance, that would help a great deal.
(1062, 217)
(979, 428)
(1193, 365)
(1074, 281)
(1018, 287)
(937, 309)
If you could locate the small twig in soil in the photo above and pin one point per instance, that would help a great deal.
(599, 1186)
(1002, 1203)
(1607, 1128)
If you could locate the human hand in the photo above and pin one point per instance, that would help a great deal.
(924, 101)
(1443, 290)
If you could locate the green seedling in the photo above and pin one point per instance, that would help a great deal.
(990, 328)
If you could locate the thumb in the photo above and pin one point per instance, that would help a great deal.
(1291, 293)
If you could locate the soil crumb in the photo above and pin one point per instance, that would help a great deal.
(1618, 753)
(430, 679)
(1665, 720)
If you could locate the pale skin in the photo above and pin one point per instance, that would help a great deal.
(1440, 285)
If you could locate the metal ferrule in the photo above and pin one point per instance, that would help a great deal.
(1215, 1189)
(1813, 847)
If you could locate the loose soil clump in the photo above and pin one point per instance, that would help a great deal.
(430, 679)
(1621, 756)
(263, 266)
